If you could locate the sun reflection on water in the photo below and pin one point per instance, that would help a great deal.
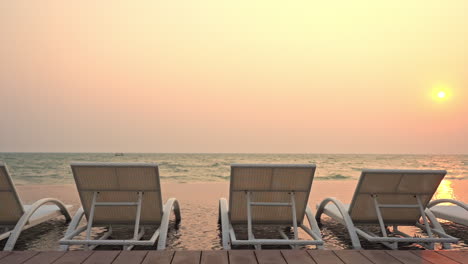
(445, 191)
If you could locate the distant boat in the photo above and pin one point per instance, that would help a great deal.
(118, 154)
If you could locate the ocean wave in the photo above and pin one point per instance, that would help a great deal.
(334, 177)
(224, 177)
(455, 177)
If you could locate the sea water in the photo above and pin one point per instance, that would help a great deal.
(54, 168)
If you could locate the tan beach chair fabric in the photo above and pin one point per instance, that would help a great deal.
(11, 208)
(269, 183)
(16, 217)
(120, 183)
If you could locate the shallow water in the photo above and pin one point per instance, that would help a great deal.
(199, 230)
(54, 168)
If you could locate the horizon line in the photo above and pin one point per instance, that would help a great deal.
(254, 153)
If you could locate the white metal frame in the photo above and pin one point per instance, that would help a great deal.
(229, 236)
(12, 232)
(455, 202)
(161, 232)
(25, 223)
(439, 201)
(391, 242)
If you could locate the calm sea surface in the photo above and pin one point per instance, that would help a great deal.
(54, 168)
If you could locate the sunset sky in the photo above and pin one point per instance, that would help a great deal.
(234, 76)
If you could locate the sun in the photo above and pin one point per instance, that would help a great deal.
(441, 92)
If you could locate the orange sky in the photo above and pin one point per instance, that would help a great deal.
(233, 76)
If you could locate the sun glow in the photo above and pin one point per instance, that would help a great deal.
(441, 92)
(445, 191)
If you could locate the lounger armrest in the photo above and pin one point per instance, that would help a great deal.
(171, 205)
(455, 202)
(27, 215)
(224, 222)
(342, 209)
(346, 219)
(41, 202)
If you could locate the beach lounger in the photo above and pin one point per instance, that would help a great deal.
(457, 214)
(269, 195)
(390, 198)
(126, 194)
(16, 217)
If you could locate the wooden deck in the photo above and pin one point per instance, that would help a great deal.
(236, 257)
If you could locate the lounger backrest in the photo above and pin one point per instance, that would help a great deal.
(11, 208)
(119, 182)
(398, 187)
(269, 183)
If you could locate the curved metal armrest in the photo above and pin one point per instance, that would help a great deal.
(72, 226)
(312, 221)
(455, 202)
(27, 215)
(338, 205)
(41, 202)
(224, 219)
(346, 219)
(171, 205)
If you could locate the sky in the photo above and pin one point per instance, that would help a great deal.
(234, 76)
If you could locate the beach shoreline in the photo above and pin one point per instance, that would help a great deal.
(210, 192)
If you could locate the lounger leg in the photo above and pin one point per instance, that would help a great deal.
(171, 205)
(346, 219)
(224, 218)
(103, 237)
(433, 219)
(27, 215)
(437, 226)
(294, 216)
(73, 225)
(313, 225)
(138, 237)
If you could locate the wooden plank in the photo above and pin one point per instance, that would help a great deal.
(18, 257)
(460, 256)
(379, 257)
(242, 257)
(433, 257)
(214, 257)
(102, 257)
(237, 257)
(135, 256)
(269, 257)
(406, 257)
(186, 257)
(158, 257)
(45, 257)
(4, 254)
(297, 257)
(324, 257)
(74, 257)
(352, 257)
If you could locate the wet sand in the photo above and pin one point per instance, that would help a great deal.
(199, 208)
